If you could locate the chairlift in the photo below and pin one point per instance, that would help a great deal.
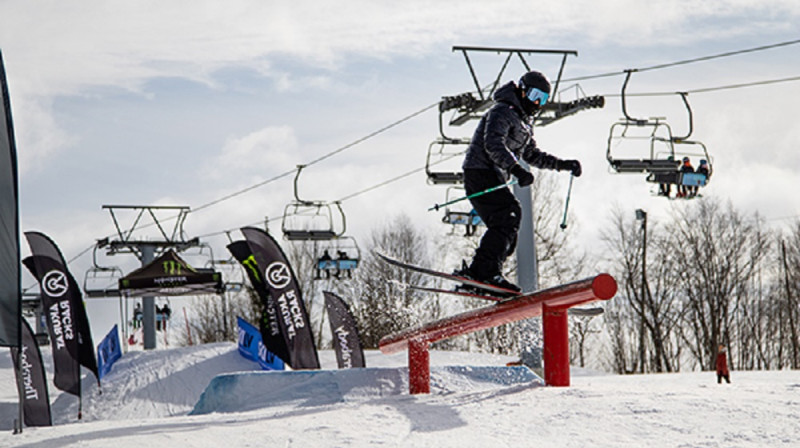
(340, 256)
(696, 151)
(305, 220)
(624, 144)
(665, 150)
(101, 281)
(661, 155)
(444, 150)
(459, 215)
(230, 266)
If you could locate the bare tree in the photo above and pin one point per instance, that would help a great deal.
(652, 296)
(214, 316)
(790, 263)
(720, 252)
(580, 328)
(380, 301)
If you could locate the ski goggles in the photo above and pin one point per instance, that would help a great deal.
(535, 94)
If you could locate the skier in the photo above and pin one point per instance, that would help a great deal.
(504, 136)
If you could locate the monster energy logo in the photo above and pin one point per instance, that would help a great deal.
(250, 263)
(172, 267)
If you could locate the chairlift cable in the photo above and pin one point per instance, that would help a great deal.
(688, 61)
(713, 89)
(317, 160)
(343, 198)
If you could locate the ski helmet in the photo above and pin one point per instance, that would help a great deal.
(536, 80)
(534, 86)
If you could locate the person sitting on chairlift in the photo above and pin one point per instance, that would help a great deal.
(702, 169)
(342, 256)
(323, 264)
(665, 188)
(683, 190)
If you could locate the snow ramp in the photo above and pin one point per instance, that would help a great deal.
(245, 391)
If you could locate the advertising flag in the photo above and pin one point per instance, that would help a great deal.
(283, 287)
(59, 326)
(10, 296)
(108, 352)
(346, 342)
(62, 302)
(35, 401)
(271, 335)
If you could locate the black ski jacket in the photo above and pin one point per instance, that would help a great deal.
(504, 135)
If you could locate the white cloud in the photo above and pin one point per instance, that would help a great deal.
(38, 135)
(268, 151)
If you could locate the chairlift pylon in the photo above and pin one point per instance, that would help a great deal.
(472, 105)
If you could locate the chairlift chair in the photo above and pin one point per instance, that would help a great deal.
(339, 256)
(697, 152)
(443, 150)
(305, 220)
(461, 215)
(624, 144)
(101, 281)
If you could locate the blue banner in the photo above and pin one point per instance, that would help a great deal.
(108, 352)
(252, 347)
(268, 360)
(249, 337)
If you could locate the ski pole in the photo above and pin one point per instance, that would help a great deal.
(566, 206)
(474, 195)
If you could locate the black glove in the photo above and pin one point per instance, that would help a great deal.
(571, 165)
(524, 177)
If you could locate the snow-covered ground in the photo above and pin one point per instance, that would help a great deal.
(147, 397)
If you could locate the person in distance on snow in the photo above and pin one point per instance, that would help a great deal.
(504, 136)
(722, 366)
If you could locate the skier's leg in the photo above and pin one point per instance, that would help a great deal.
(501, 213)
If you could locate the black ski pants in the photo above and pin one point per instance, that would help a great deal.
(501, 213)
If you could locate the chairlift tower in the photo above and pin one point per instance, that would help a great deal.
(128, 241)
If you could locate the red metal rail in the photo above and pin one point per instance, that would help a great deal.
(552, 304)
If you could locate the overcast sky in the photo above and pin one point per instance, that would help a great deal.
(186, 102)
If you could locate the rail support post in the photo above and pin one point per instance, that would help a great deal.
(556, 346)
(419, 367)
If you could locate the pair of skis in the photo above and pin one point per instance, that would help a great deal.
(469, 287)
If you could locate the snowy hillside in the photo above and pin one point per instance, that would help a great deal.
(148, 395)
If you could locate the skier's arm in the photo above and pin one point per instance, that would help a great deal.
(543, 160)
(538, 158)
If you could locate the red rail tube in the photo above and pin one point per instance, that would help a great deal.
(553, 303)
(600, 287)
